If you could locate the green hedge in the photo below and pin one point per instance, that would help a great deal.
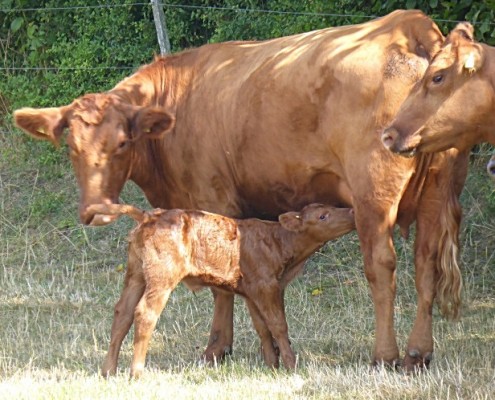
(104, 44)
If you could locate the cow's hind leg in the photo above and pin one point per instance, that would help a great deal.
(437, 273)
(123, 317)
(222, 327)
(270, 353)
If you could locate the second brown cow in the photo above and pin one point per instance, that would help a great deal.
(251, 257)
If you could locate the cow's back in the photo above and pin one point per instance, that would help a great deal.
(266, 127)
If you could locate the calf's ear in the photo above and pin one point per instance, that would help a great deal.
(43, 123)
(152, 122)
(291, 221)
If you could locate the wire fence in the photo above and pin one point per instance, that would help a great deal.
(217, 8)
(171, 6)
(187, 6)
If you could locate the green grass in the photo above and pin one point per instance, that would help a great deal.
(59, 282)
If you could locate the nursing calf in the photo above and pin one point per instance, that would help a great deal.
(250, 257)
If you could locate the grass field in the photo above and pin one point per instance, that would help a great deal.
(59, 282)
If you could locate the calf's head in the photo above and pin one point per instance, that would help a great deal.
(452, 106)
(103, 132)
(319, 222)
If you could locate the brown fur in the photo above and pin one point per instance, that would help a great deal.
(250, 257)
(266, 127)
(457, 112)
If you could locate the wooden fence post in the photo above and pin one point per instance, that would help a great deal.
(161, 27)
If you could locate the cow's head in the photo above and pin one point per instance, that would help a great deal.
(490, 167)
(452, 106)
(103, 132)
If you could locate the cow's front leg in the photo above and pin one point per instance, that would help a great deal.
(222, 327)
(379, 266)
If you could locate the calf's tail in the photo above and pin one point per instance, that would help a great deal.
(118, 209)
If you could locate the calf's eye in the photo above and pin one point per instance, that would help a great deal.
(323, 216)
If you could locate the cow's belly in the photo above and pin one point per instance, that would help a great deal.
(269, 199)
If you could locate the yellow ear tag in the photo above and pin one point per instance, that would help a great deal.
(147, 130)
(41, 131)
(469, 63)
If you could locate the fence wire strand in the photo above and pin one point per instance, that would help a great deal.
(172, 6)
(214, 8)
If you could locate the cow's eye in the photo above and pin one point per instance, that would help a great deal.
(122, 144)
(437, 78)
(323, 216)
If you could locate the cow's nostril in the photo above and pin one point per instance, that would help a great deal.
(388, 137)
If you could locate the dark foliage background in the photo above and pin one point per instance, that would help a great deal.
(52, 51)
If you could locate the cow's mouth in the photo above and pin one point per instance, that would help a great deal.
(409, 152)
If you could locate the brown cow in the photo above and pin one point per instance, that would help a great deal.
(254, 258)
(453, 106)
(266, 127)
(490, 167)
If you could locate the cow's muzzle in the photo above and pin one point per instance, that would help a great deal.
(393, 141)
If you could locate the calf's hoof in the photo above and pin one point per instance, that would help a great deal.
(415, 361)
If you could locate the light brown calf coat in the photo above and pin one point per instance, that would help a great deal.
(251, 257)
(262, 128)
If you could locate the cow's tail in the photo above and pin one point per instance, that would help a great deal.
(449, 285)
(118, 209)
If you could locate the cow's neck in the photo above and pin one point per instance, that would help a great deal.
(150, 168)
(151, 85)
(160, 83)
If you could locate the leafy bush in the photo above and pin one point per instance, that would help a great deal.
(69, 48)
(91, 46)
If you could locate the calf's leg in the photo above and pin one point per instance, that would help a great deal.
(146, 316)
(123, 317)
(270, 354)
(270, 305)
(222, 327)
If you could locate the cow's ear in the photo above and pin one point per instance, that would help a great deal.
(464, 30)
(472, 59)
(152, 122)
(43, 123)
(291, 221)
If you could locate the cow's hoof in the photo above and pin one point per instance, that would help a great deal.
(415, 361)
(393, 365)
(212, 357)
